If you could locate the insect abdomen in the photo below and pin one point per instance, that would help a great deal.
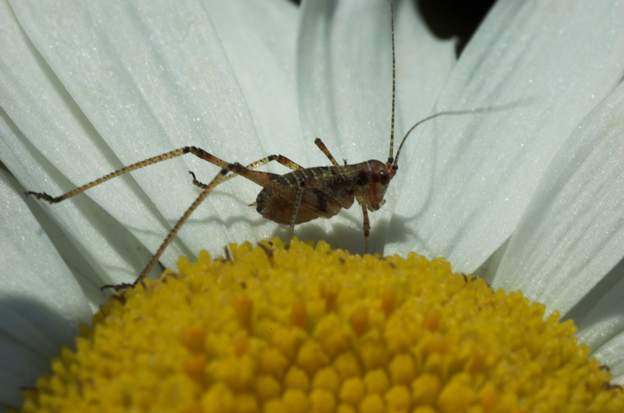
(323, 194)
(279, 206)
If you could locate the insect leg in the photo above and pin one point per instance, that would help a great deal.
(171, 235)
(297, 206)
(124, 170)
(365, 226)
(202, 185)
(258, 177)
(283, 160)
(202, 196)
(206, 190)
(318, 142)
(279, 158)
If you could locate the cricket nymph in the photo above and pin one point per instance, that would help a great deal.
(324, 191)
(298, 196)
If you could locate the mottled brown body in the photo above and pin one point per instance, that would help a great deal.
(324, 191)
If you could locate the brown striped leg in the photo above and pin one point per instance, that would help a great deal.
(278, 158)
(202, 196)
(170, 236)
(297, 206)
(261, 178)
(318, 142)
(365, 226)
(206, 189)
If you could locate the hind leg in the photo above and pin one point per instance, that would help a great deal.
(278, 158)
(206, 190)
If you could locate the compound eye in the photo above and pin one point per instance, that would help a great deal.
(383, 177)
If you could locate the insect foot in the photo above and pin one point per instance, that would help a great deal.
(46, 197)
(117, 287)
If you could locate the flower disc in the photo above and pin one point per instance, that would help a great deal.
(307, 328)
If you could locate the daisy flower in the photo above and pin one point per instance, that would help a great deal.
(530, 197)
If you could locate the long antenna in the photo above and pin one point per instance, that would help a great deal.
(488, 109)
(435, 115)
(391, 151)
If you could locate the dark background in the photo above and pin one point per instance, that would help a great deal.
(451, 18)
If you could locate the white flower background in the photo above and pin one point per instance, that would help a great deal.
(532, 196)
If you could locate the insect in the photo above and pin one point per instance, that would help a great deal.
(296, 197)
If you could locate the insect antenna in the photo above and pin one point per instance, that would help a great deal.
(433, 116)
(392, 110)
(393, 159)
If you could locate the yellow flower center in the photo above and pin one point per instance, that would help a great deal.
(311, 329)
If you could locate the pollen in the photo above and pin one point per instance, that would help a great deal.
(311, 329)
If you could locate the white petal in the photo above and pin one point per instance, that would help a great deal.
(344, 75)
(345, 68)
(40, 301)
(599, 316)
(259, 39)
(46, 142)
(470, 178)
(612, 354)
(423, 65)
(573, 230)
(19, 367)
(344, 80)
(149, 77)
